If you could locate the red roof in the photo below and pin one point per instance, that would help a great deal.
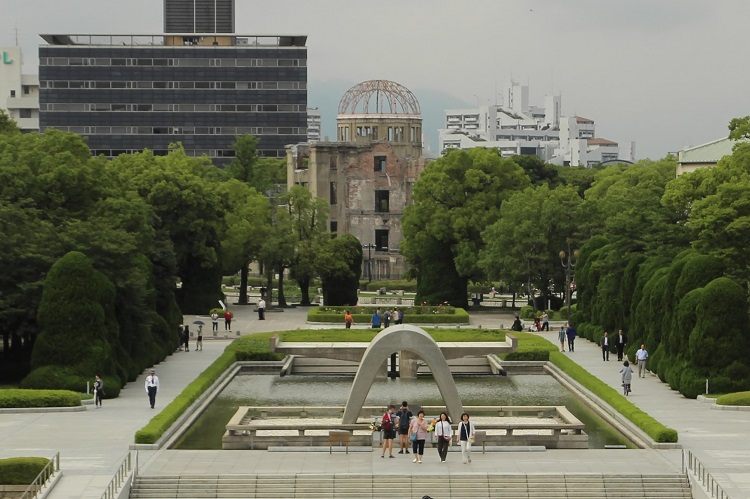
(581, 119)
(601, 142)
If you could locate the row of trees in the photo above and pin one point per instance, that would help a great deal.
(92, 250)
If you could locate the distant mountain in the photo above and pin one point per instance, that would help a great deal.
(325, 95)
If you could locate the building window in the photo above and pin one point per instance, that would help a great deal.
(12, 93)
(333, 199)
(26, 89)
(24, 113)
(380, 164)
(382, 201)
(381, 240)
(334, 228)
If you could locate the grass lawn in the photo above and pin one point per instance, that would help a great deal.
(335, 335)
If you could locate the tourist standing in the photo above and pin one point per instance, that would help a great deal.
(404, 416)
(466, 437)
(386, 318)
(389, 431)
(418, 428)
(186, 338)
(215, 322)
(561, 337)
(98, 391)
(348, 320)
(626, 374)
(620, 342)
(375, 321)
(199, 341)
(443, 434)
(641, 356)
(152, 386)
(261, 309)
(605, 344)
(398, 316)
(570, 332)
(228, 320)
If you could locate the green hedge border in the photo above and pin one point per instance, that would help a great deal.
(336, 314)
(21, 470)
(737, 398)
(246, 348)
(645, 422)
(25, 398)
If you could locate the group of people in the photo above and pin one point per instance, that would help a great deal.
(569, 333)
(413, 429)
(540, 323)
(378, 320)
(184, 338)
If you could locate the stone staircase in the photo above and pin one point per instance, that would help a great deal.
(455, 486)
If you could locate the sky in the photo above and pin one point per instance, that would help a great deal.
(666, 73)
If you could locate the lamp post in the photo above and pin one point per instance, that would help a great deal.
(369, 247)
(568, 261)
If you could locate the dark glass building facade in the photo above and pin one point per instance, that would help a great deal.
(199, 16)
(134, 92)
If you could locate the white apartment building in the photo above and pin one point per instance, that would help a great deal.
(19, 93)
(523, 129)
(314, 118)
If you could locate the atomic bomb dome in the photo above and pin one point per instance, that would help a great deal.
(379, 97)
(381, 111)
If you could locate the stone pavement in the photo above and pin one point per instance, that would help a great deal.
(93, 443)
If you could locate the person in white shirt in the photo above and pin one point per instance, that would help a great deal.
(261, 309)
(641, 356)
(215, 322)
(443, 434)
(152, 386)
(465, 436)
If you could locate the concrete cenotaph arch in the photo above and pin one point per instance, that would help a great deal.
(394, 339)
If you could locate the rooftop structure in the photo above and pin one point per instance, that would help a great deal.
(199, 16)
(703, 156)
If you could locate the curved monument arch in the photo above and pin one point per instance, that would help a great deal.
(394, 339)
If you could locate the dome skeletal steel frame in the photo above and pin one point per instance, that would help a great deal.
(377, 97)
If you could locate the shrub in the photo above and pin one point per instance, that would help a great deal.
(526, 312)
(15, 398)
(530, 347)
(63, 378)
(417, 315)
(739, 398)
(648, 424)
(564, 311)
(21, 470)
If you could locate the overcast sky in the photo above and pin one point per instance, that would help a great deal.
(665, 73)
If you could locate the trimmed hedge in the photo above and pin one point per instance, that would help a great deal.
(415, 315)
(355, 335)
(15, 398)
(645, 422)
(21, 470)
(739, 398)
(63, 378)
(246, 348)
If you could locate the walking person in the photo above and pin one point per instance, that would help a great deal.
(626, 374)
(261, 309)
(348, 320)
(152, 386)
(605, 344)
(570, 332)
(227, 320)
(620, 342)
(389, 431)
(215, 322)
(641, 356)
(98, 391)
(418, 435)
(466, 437)
(443, 434)
(545, 321)
(404, 416)
(561, 338)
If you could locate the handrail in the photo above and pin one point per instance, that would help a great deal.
(696, 467)
(121, 475)
(52, 467)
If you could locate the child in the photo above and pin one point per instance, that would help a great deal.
(627, 376)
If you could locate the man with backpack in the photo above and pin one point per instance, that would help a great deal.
(404, 416)
(389, 431)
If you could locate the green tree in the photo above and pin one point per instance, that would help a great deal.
(7, 125)
(455, 198)
(263, 174)
(339, 263)
(77, 320)
(739, 128)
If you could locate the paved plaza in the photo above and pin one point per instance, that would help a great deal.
(92, 443)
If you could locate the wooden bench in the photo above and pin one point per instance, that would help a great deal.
(339, 437)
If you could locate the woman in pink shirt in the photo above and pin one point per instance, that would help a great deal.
(419, 428)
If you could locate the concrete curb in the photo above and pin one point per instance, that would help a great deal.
(31, 410)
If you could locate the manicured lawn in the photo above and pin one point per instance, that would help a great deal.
(335, 335)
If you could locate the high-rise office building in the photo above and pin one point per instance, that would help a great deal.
(127, 93)
(19, 93)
